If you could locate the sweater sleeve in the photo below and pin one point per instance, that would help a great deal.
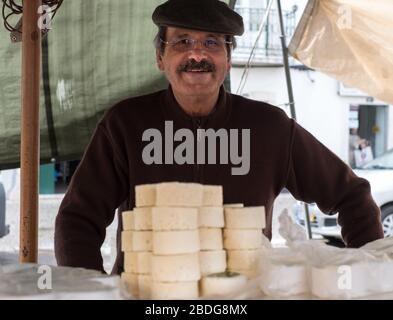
(315, 174)
(97, 188)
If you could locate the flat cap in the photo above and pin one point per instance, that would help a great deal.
(204, 15)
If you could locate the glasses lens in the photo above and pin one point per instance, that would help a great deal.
(186, 44)
(183, 44)
(213, 44)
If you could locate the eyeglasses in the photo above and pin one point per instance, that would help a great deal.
(209, 44)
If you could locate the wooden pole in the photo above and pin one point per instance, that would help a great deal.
(30, 132)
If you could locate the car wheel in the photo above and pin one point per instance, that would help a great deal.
(387, 220)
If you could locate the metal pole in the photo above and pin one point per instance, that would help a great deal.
(291, 99)
(286, 63)
(30, 132)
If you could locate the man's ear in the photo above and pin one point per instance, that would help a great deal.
(160, 64)
(229, 65)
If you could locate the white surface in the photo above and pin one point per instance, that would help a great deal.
(21, 282)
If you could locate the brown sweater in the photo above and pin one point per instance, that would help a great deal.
(283, 155)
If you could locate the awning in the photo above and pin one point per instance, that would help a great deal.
(351, 40)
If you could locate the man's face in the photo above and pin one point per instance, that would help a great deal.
(198, 70)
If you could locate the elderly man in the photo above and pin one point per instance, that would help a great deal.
(193, 49)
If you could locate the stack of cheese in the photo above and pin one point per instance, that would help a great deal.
(211, 222)
(176, 244)
(173, 242)
(243, 239)
(137, 245)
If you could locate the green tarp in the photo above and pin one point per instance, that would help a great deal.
(97, 53)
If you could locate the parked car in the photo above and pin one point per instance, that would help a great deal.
(379, 172)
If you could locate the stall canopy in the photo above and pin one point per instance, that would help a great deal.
(97, 53)
(351, 40)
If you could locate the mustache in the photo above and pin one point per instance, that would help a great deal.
(204, 65)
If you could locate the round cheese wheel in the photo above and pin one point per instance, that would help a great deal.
(245, 218)
(142, 218)
(212, 195)
(145, 195)
(211, 217)
(174, 218)
(221, 284)
(174, 290)
(249, 273)
(144, 286)
(212, 262)
(177, 194)
(137, 262)
(130, 281)
(210, 238)
(136, 241)
(175, 242)
(244, 259)
(173, 268)
(235, 239)
(128, 220)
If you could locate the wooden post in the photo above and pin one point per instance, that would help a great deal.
(30, 132)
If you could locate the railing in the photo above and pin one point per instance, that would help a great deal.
(269, 49)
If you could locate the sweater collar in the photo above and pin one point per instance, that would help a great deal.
(216, 118)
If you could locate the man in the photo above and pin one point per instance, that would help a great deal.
(193, 51)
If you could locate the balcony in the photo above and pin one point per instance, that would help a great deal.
(268, 51)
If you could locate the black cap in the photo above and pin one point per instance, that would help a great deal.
(204, 15)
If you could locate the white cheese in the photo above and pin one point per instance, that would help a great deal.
(174, 218)
(210, 238)
(177, 194)
(212, 195)
(142, 218)
(239, 239)
(211, 217)
(245, 218)
(136, 241)
(175, 242)
(174, 290)
(212, 262)
(128, 220)
(175, 268)
(137, 262)
(145, 195)
(221, 284)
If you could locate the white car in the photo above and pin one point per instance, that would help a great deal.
(379, 172)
